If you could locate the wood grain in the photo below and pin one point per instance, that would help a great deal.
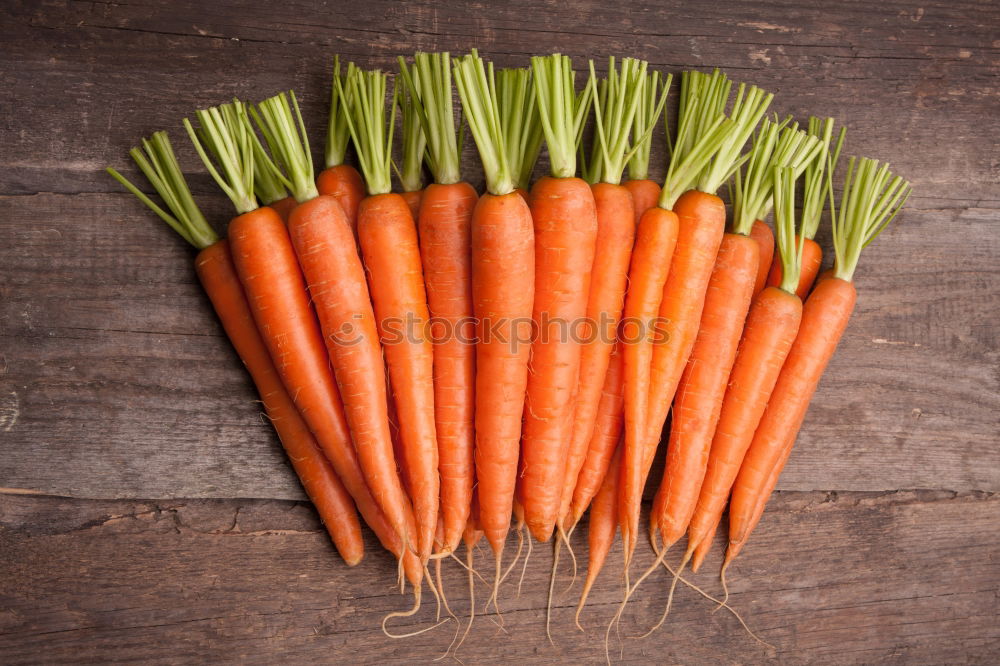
(846, 578)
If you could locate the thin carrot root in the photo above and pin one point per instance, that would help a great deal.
(670, 596)
(471, 571)
(517, 556)
(629, 591)
(434, 591)
(497, 578)
(409, 613)
(587, 584)
(725, 588)
(552, 587)
(444, 600)
(524, 568)
(472, 599)
(569, 548)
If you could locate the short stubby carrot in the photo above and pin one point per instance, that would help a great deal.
(762, 233)
(812, 259)
(615, 236)
(565, 221)
(607, 433)
(445, 231)
(343, 183)
(413, 199)
(703, 384)
(388, 237)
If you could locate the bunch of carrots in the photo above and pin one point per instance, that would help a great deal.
(445, 363)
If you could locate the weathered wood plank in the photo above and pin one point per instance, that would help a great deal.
(118, 383)
(846, 578)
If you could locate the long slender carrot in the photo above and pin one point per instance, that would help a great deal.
(445, 230)
(321, 237)
(565, 221)
(727, 299)
(503, 274)
(814, 195)
(703, 131)
(217, 274)
(340, 180)
(770, 329)
(645, 192)
(601, 528)
(616, 100)
(871, 199)
(701, 223)
(388, 238)
(607, 433)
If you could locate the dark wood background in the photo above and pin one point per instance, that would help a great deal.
(146, 511)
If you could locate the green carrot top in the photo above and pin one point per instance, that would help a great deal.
(871, 199)
(646, 117)
(337, 134)
(617, 99)
(815, 185)
(411, 172)
(702, 131)
(428, 85)
(775, 145)
(159, 164)
(225, 132)
(267, 185)
(789, 249)
(370, 131)
(563, 111)
(520, 123)
(280, 121)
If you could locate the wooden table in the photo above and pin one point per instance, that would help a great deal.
(146, 511)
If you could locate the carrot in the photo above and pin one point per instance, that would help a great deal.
(320, 234)
(340, 180)
(701, 217)
(727, 299)
(770, 329)
(565, 221)
(616, 100)
(764, 237)
(645, 192)
(503, 273)
(703, 130)
(601, 529)
(217, 274)
(871, 199)
(411, 171)
(607, 433)
(445, 231)
(814, 195)
(388, 238)
(267, 186)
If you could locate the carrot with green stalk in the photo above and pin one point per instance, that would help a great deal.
(338, 179)
(388, 238)
(702, 220)
(322, 240)
(872, 197)
(217, 275)
(445, 230)
(411, 170)
(699, 400)
(503, 274)
(565, 222)
(703, 130)
(645, 191)
(267, 186)
(814, 195)
(616, 100)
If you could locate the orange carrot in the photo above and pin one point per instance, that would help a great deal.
(217, 274)
(701, 217)
(339, 180)
(645, 192)
(702, 386)
(601, 528)
(761, 233)
(607, 433)
(503, 273)
(565, 221)
(669, 275)
(445, 231)
(616, 99)
(871, 199)
(388, 239)
(814, 195)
